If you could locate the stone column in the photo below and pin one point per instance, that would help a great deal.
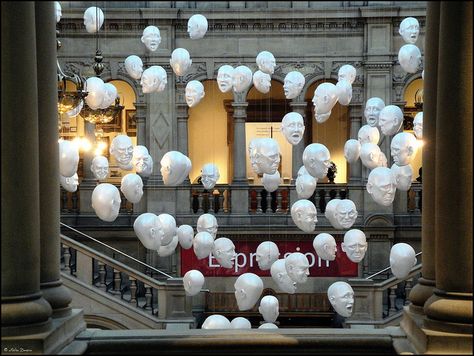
(450, 307)
(24, 310)
(140, 117)
(183, 192)
(424, 289)
(355, 115)
(297, 150)
(88, 182)
(53, 290)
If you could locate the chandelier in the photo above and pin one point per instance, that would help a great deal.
(102, 116)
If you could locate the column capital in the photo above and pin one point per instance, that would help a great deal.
(240, 110)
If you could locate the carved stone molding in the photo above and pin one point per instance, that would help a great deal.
(160, 129)
(378, 65)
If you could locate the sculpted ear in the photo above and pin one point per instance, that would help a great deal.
(343, 247)
(369, 188)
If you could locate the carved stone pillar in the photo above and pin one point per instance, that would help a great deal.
(355, 116)
(140, 118)
(183, 190)
(88, 182)
(297, 150)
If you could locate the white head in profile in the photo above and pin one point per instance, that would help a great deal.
(134, 66)
(57, 11)
(354, 245)
(106, 201)
(368, 134)
(207, 222)
(409, 29)
(352, 150)
(209, 175)
(193, 281)
(330, 212)
(302, 171)
(402, 259)
(151, 38)
(325, 246)
(225, 76)
(224, 252)
(317, 160)
(69, 183)
(142, 161)
(194, 92)
(269, 308)
(96, 91)
(305, 186)
(248, 288)
(168, 225)
(341, 297)
(262, 81)
(122, 149)
(304, 215)
(370, 155)
(403, 148)
(266, 62)
(347, 72)
(344, 92)
(153, 79)
(266, 155)
(132, 187)
(197, 26)
(324, 99)
(203, 243)
(110, 94)
(216, 321)
(382, 160)
(271, 181)
(169, 249)
(390, 120)
(185, 236)
(381, 186)
(418, 125)
(297, 267)
(175, 167)
(241, 79)
(281, 278)
(180, 61)
(372, 110)
(402, 176)
(409, 57)
(93, 19)
(68, 158)
(148, 230)
(293, 84)
(266, 254)
(292, 127)
(240, 323)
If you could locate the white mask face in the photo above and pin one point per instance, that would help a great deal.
(344, 92)
(390, 120)
(402, 260)
(68, 158)
(154, 79)
(93, 19)
(180, 61)
(203, 244)
(352, 150)
(341, 296)
(209, 175)
(402, 176)
(193, 281)
(194, 93)
(224, 252)
(132, 187)
(100, 167)
(262, 81)
(317, 160)
(197, 26)
(372, 111)
(207, 222)
(148, 230)
(409, 57)
(134, 66)
(325, 246)
(281, 278)
(271, 181)
(381, 186)
(409, 29)
(168, 224)
(266, 62)
(297, 267)
(269, 308)
(151, 38)
(368, 134)
(175, 168)
(292, 127)
(185, 236)
(267, 155)
(403, 148)
(346, 213)
(248, 288)
(242, 79)
(69, 183)
(142, 161)
(168, 250)
(370, 155)
(122, 149)
(293, 84)
(304, 215)
(347, 72)
(354, 245)
(324, 99)
(305, 186)
(266, 254)
(106, 201)
(225, 77)
(418, 125)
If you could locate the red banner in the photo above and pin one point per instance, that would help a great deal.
(245, 261)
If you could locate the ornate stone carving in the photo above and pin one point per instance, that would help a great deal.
(160, 129)
(304, 68)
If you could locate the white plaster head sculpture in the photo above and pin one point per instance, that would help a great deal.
(224, 252)
(368, 134)
(142, 161)
(382, 160)
(317, 160)
(354, 245)
(297, 267)
(248, 288)
(68, 158)
(269, 308)
(346, 213)
(418, 125)
(303, 171)
(209, 175)
(402, 259)
(372, 110)
(153, 79)
(330, 212)
(180, 61)
(93, 19)
(324, 99)
(281, 278)
(344, 92)
(267, 155)
(207, 222)
(390, 120)
(110, 94)
(266, 62)
(341, 297)
(293, 84)
(134, 66)
(175, 167)
(262, 81)
(409, 57)
(305, 186)
(402, 175)
(122, 149)
(197, 26)
(325, 246)
(225, 76)
(106, 201)
(409, 29)
(271, 181)
(266, 254)
(132, 187)
(304, 215)
(241, 79)
(185, 236)
(347, 72)
(403, 148)
(168, 250)
(203, 244)
(240, 323)
(381, 186)
(151, 38)
(352, 150)
(194, 93)
(96, 92)
(292, 127)
(370, 155)
(193, 281)
(268, 326)
(168, 225)
(148, 230)
(216, 321)
(58, 11)
(69, 183)
(252, 149)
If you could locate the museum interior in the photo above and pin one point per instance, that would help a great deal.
(190, 176)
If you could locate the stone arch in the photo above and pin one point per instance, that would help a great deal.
(101, 322)
(378, 220)
(132, 83)
(310, 80)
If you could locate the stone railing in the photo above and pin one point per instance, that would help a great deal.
(261, 201)
(325, 192)
(213, 201)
